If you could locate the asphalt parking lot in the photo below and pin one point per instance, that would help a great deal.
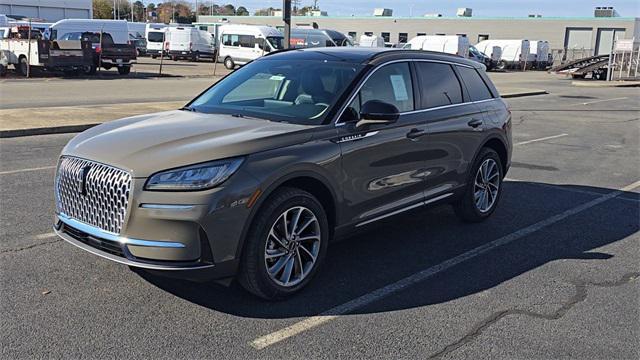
(553, 274)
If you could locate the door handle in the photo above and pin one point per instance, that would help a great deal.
(416, 133)
(474, 123)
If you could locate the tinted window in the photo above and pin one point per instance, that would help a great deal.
(391, 84)
(155, 36)
(439, 85)
(247, 41)
(478, 90)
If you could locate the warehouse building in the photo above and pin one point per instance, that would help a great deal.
(48, 10)
(592, 35)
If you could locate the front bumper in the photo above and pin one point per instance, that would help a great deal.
(176, 232)
(118, 249)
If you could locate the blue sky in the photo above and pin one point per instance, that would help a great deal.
(484, 8)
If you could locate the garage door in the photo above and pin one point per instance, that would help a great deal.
(578, 39)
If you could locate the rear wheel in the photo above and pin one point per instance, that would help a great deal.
(22, 66)
(90, 69)
(285, 245)
(501, 65)
(229, 64)
(483, 190)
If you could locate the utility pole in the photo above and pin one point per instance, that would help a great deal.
(315, 4)
(114, 9)
(286, 17)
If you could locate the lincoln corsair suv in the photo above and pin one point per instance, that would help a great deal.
(254, 177)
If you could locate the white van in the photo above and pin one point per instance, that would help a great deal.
(239, 44)
(154, 34)
(515, 53)
(539, 53)
(189, 43)
(118, 29)
(371, 41)
(137, 29)
(450, 44)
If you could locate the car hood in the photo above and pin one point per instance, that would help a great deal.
(147, 144)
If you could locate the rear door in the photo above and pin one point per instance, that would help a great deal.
(383, 165)
(454, 126)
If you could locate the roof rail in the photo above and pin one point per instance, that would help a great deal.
(278, 51)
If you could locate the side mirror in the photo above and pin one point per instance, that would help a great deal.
(378, 112)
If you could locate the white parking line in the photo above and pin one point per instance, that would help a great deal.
(599, 101)
(27, 170)
(331, 314)
(540, 139)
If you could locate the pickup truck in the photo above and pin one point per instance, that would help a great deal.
(24, 50)
(107, 54)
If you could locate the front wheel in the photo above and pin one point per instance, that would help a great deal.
(285, 245)
(229, 64)
(483, 190)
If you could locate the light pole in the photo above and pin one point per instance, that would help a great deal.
(286, 17)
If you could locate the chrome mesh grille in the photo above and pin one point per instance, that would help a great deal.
(93, 193)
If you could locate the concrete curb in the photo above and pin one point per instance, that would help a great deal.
(605, 84)
(523, 94)
(45, 130)
(78, 128)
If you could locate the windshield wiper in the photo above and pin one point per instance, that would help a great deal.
(188, 108)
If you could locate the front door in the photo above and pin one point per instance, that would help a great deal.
(383, 165)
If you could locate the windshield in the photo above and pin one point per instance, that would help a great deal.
(276, 41)
(300, 92)
(476, 52)
(155, 36)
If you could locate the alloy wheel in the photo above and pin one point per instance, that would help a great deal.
(486, 185)
(292, 246)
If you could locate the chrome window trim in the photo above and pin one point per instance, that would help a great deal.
(417, 111)
(106, 235)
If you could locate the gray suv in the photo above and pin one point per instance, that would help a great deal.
(254, 177)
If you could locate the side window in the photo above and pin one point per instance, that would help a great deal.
(391, 84)
(230, 40)
(247, 41)
(478, 90)
(439, 84)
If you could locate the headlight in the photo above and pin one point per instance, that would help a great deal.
(195, 177)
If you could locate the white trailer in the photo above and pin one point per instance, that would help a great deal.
(450, 44)
(371, 41)
(540, 54)
(515, 53)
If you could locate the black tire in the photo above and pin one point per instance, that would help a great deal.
(154, 56)
(229, 63)
(90, 70)
(253, 274)
(107, 66)
(501, 65)
(465, 207)
(124, 70)
(22, 65)
(195, 57)
(3, 70)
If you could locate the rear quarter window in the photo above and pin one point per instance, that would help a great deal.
(439, 85)
(477, 88)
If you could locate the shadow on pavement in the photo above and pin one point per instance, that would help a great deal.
(421, 239)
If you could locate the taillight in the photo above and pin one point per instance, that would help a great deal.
(98, 49)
